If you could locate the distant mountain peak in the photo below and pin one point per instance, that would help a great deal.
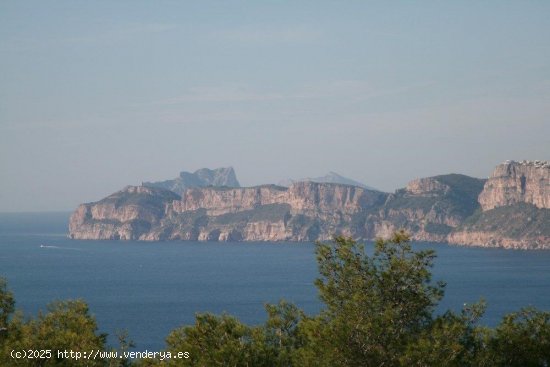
(223, 176)
(330, 177)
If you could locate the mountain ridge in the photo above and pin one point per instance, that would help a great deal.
(444, 208)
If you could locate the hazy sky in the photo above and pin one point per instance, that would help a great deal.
(95, 95)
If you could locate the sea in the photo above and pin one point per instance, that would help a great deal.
(151, 288)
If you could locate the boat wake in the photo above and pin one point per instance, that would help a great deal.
(59, 247)
(48, 246)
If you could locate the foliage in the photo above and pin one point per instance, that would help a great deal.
(66, 326)
(450, 340)
(464, 191)
(213, 341)
(521, 339)
(7, 305)
(375, 305)
(514, 221)
(224, 341)
(125, 344)
(281, 333)
(437, 228)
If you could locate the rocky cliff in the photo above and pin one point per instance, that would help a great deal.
(454, 208)
(222, 177)
(517, 182)
(514, 209)
(305, 211)
(518, 226)
(428, 208)
(126, 215)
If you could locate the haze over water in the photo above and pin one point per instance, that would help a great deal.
(150, 288)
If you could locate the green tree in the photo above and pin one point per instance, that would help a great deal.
(7, 306)
(451, 340)
(212, 341)
(521, 339)
(7, 326)
(125, 344)
(375, 305)
(66, 326)
(280, 335)
(224, 341)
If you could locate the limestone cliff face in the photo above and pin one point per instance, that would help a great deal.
(301, 196)
(219, 201)
(429, 186)
(515, 209)
(126, 214)
(517, 182)
(305, 211)
(322, 197)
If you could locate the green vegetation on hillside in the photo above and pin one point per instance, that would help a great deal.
(464, 192)
(513, 221)
(461, 198)
(155, 200)
(379, 311)
(467, 187)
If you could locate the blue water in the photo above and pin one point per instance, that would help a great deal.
(150, 288)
